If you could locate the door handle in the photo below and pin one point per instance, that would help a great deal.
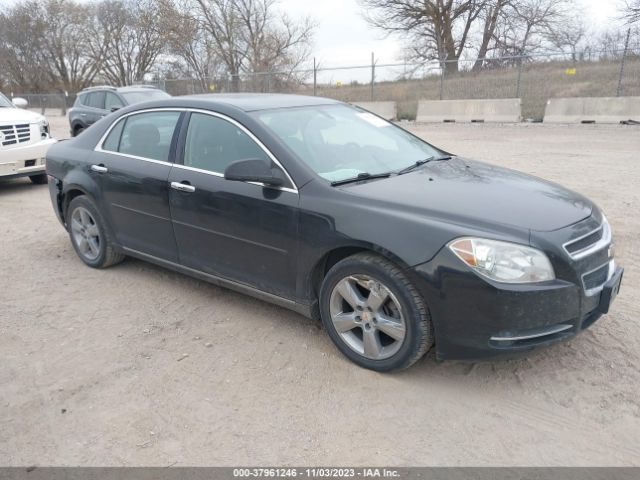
(99, 169)
(183, 187)
(83, 114)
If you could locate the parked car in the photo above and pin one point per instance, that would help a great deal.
(93, 103)
(24, 140)
(335, 213)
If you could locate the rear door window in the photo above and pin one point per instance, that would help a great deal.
(95, 100)
(147, 135)
(112, 143)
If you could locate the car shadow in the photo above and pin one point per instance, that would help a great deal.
(503, 374)
(17, 184)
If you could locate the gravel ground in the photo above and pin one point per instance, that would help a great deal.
(136, 365)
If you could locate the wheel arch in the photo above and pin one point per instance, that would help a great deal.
(77, 125)
(68, 194)
(335, 255)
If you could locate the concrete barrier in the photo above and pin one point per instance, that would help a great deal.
(386, 110)
(507, 110)
(592, 110)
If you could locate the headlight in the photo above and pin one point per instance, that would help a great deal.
(44, 127)
(503, 261)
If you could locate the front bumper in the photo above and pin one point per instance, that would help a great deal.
(477, 319)
(24, 160)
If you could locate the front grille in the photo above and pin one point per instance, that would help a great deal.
(14, 134)
(590, 243)
(596, 278)
(585, 242)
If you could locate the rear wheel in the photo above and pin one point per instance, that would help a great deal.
(374, 314)
(78, 130)
(89, 235)
(40, 179)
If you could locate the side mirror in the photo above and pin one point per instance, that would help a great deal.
(115, 109)
(20, 102)
(253, 170)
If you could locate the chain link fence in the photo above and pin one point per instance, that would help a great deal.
(532, 78)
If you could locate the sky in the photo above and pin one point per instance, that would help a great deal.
(343, 36)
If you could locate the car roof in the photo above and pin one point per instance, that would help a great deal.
(250, 102)
(136, 88)
(109, 88)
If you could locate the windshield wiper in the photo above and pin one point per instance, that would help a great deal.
(360, 177)
(419, 163)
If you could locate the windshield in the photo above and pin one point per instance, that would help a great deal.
(5, 102)
(144, 96)
(340, 142)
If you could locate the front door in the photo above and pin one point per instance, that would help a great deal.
(133, 166)
(241, 231)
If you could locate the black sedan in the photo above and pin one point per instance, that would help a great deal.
(333, 212)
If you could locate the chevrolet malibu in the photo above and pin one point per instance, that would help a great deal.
(329, 210)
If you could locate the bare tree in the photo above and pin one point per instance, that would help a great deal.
(21, 35)
(132, 34)
(64, 45)
(436, 29)
(528, 25)
(570, 36)
(45, 45)
(491, 16)
(190, 42)
(631, 11)
(250, 34)
(277, 49)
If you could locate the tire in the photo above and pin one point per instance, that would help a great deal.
(386, 325)
(40, 179)
(78, 130)
(89, 234)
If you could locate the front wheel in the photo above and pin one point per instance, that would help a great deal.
(89, 234)
(374, 314)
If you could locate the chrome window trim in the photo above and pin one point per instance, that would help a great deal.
(256, 140)
(103, 139)
(604, 242)
(594, 291)
(220, 175)
(135, 157)
(99, 148)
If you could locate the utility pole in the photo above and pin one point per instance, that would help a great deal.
(624, 55)
(373, 73)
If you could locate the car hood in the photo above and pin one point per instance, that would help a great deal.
(465, 191)
(16, 115)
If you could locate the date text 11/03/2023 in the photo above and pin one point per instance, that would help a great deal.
(372, 472)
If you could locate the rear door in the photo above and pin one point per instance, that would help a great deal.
(132, 166)
(241, 231)
(94, 107)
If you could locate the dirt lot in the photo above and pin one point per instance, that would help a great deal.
(93, 368)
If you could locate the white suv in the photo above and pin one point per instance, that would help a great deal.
(24, 141)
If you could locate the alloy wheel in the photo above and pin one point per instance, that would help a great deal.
(86, 234)
(367, 316)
